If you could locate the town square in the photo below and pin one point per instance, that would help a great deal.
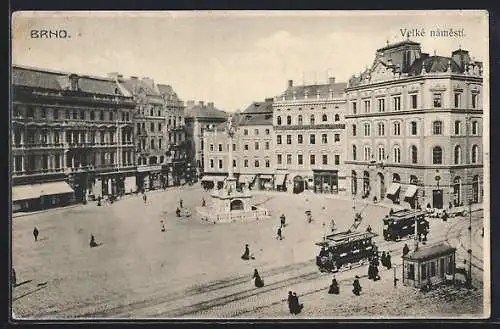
(212, 179)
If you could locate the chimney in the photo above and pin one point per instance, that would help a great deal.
(331, 80)
(210, 105)
(461, 57)
(134, 78)
(201, 103)
(290, 83)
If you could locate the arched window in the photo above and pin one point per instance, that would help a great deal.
(396, 128)
(311, 120)
(437, 155)
(288, 120)
(367, 153)
(381, 153)
(414, 154)
(278, 120)
(354, 155)
(457, 155)
(437, 128)
(299, 119)
(396, 154)
(337, 117)
(475, 128)
(475, 154)
(324, 118)
(381, 129)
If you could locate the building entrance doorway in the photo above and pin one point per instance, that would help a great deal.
(437, 199)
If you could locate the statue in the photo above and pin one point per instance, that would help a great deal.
(230, 130)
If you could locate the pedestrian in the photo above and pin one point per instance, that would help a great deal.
(332, 225)
(334, 287)
(162, 226)
(178, 212)
(246, 254)
(297, 307)
(92, 241)
(180, 203)
(388, 263)
(383, 258)
(376, 277)
(279, 236)
(203, 203)
(283, 220)
(445, 216)
(290, 302)
(356, 286)
(144, 197)
(35, 233)
(424, 240)
(371, 271)
(259, 283)
(368, 229)
(406, 250)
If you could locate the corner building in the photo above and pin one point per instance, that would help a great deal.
(72, 138)
(414, 128)
(308, 122)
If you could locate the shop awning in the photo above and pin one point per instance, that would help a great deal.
(26, 192)
(55, 188)
(410, 192)
(246, 178)
(266, 176)
(280, 179)
(214, 178)
(393, 189)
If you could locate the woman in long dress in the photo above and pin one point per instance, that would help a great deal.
(259, 283)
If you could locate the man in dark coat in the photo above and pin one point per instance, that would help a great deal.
(92, 241)
(178, 212)
(180, 203)
(35, 233)
(283, 220)
(259, 283)
(246, 254)
(290, 302)
(279, 236)
(388, 263)
(406, 250)
(334, 287)
(383, 258)
(297, 307)
(356, 286)
(203, 203)
(371, 271)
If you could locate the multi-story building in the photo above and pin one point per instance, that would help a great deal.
(414, 127)
(252, 148)
(198, 118)
(309, 129)
(67, 127)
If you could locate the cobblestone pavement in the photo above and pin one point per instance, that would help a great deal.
(194, 269)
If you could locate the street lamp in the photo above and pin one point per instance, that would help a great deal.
(469, 251)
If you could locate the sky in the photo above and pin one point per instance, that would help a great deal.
(234, 58)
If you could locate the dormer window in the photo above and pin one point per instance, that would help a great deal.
(73, 80)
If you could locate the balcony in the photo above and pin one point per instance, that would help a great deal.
(27, 146)
(19, 173)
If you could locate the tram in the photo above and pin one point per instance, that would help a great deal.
(402, 223)
(344, 250)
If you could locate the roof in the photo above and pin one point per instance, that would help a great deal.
(136, 85)
(256, 119)
(405, 213)
(259, 107)
(312, 90)
(399, 44)
(434, 64)
(203, 111)
(48, 79)
(345, 237)
(430, 252)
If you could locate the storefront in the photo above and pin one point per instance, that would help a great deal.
(280, 182)
(213, 181)
(247, 179)
(149, 177)
(326, 181)
(265, 182)
(41, 196)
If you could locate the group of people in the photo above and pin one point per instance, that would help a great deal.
(279, 233)
(294, 305)
(385, 259)
(373, 269)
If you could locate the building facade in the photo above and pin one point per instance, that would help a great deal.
(68, 128)
(252, 148)
(199, 118)
(309, 127)
(414, 128)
